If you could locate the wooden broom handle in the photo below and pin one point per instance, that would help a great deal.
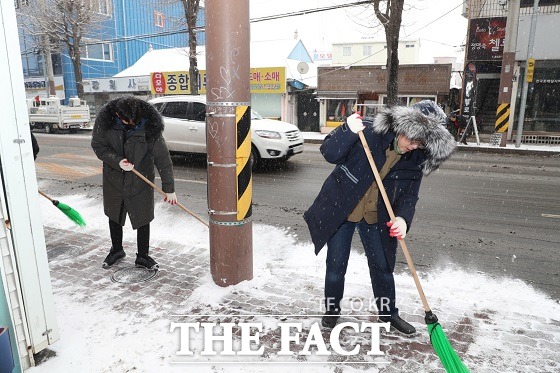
(393, 218)
(165, 195)
(44, 195)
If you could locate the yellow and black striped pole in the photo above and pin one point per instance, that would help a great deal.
(228, 135)
(502, 118)
(243, 162)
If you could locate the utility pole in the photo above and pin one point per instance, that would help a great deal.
(228, 134)
(503, 112)
(529, 67)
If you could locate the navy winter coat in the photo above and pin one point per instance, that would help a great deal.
(352, 177)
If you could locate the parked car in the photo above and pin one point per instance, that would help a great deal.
(185, 130)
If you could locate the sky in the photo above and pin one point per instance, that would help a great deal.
(96, 335)
(441, 34)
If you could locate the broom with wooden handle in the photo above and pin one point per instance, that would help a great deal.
(66, 210)
(447, 355)
(165, 194)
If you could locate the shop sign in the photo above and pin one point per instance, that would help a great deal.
(124, 84)
(262, 80)
(486, 39)
(469, 90)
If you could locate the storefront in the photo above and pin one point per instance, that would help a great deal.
(342, 91)
(542, 111)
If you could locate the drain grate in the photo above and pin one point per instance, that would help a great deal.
(133, 275)
(63, 252)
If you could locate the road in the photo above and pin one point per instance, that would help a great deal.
(496, 214)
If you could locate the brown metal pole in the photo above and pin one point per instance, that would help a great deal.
(504, 116)
(228, 135)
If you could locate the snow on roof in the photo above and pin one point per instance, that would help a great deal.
(269, 53)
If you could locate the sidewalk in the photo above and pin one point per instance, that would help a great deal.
(510, 148)
(495, 324)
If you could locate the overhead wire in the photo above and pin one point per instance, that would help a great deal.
(279, 16)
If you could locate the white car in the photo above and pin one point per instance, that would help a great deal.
(185, 130)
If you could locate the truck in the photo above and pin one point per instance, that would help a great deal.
(54, 117)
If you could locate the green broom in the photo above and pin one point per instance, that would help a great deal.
(447, 355)
(66, 210)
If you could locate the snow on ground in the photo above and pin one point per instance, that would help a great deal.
(500, 307)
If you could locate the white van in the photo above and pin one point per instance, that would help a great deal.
(185, 130)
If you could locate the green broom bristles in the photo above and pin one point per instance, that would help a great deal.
(70, 212)
(447, 355)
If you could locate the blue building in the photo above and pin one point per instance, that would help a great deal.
(124, 30)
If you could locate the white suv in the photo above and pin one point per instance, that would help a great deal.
(185, 130)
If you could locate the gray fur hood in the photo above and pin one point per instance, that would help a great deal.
(423, 121)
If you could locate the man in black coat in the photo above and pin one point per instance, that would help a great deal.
(406, 143)
(128, 135)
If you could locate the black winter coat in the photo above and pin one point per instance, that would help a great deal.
(124, 192)
(352, 177)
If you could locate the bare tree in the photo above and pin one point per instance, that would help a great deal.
(191, 8)
(64, 24)
(391, 19)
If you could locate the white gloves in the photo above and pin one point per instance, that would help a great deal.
(354, 122)
(170, 198)
(126, 165)
(398, 228)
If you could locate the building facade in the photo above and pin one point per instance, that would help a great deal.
(497, 74)
(369, 52)
(121, 33)
(342, 91)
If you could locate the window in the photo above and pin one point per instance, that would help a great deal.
(339, 109)
(158, 106)
(409, 100)
(367, 50)
(346, 51)
(104, 7)
(20, 3)
(177, 110)
(101, 51)
(198, 112)
(159, 19)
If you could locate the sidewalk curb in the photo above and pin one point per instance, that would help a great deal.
(482, 149)
(499, 150)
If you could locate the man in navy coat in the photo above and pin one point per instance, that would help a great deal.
(406, 143)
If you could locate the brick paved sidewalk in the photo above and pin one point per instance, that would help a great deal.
(285, 284)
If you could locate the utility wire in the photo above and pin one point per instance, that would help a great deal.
(252, 20)
(382, 50)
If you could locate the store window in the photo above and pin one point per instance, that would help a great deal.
(409, 100)
(542, 111)
(339, 109)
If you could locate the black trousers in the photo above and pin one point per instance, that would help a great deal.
(142, 237)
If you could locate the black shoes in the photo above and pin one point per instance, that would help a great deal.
(113, 257)
(141, 260)
(329, 319)
(399, 324)
(146, 261)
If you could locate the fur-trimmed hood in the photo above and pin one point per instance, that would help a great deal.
(424, 122)
(154, 122)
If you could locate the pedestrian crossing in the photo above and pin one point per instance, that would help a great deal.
(67, 166)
